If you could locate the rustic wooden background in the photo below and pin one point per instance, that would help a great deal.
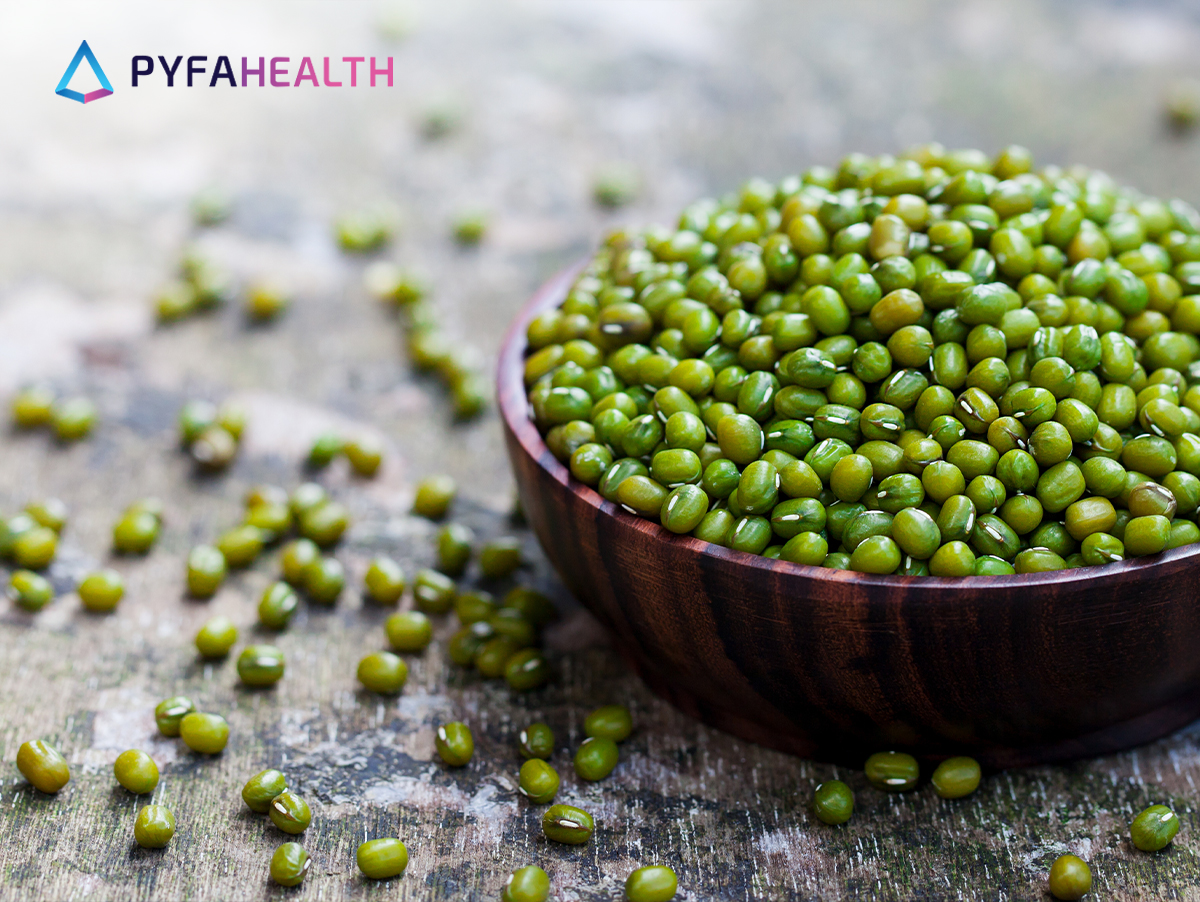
(697, 96)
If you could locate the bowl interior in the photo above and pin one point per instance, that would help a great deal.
(514, 408)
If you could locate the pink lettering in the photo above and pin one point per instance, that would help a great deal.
(354, 61)
(260, 71)
(306, 64)
(278, 71)
(328, 83)
(387, 71)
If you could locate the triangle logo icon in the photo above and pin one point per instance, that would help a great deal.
(84, 52)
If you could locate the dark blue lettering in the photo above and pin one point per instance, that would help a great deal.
(148, 60)
(170, 70)
(193, 69)
(222, 70)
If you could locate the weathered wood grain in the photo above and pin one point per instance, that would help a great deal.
(93, 216)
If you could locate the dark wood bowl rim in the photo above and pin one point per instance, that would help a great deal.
(514, 408)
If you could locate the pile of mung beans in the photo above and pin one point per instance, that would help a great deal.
(71, 419)
(943, 364)
(29, 544)
(202, 285)
(429, 348)
(211, 434)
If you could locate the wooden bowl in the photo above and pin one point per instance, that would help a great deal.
(836, 665)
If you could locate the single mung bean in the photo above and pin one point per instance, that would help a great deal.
(170, 712)
(892, 771)
(154, 826)
(538, 781)
(536, 741)
(277, 605)
(596, 758)
(1070, 878)
(35, 548)
(296, 556)
(325, 523)
(527, 884)
(498, 558)
(1154, 828)
(262, 788)
(205, 571)
(204, 733)
(216, 637)
(264, 302)
(215, 448)
(1148, 498)
(272, 519)
(48, 512)
(875, 554)
(609, 722)
(433, 591)
(384, 581)
(241, 545)
(956, 777)
(454, 743)
(12, 529)
(567, 824)
(365, 453)
(833, 802)
(72, 419)
(1147, 535)
(289, 864)
(383, 672)
(408, 631)
(324, 449)
(532, 605)
(231, 417)
(30, 590)
(684, 509)
(380, 859)
(434, 496)
(1102, 548)
(289, 812)
(260, 665)
(526, 669)
(33, 406)
(653, 883)
(101, 591)
(306, 496)
(324, 580)
(135, 533)
(454, 548)
(42, 765)
(194, 417)
(136, 771)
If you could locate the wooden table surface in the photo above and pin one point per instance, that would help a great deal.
(696, 96)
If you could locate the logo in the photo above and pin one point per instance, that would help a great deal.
(223, 71)
(84, 52)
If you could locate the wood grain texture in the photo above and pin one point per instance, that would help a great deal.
(833, 665)
(93, 216)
